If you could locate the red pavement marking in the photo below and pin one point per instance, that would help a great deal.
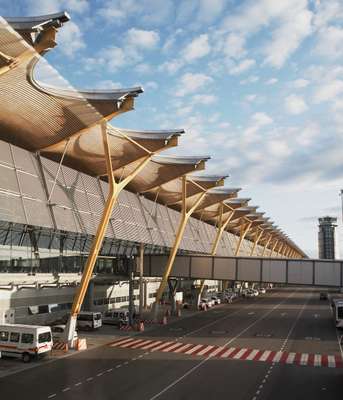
(324, 360)
(118, 340)
(258, 355)
(283, 357)
(188, 348)
(297, 359)
(175, 348)
(271, 356)
(310, 360)
(245, 354)
(210, 350)
(203, 346)
(234, 353)
(339, 361)
(222, 351)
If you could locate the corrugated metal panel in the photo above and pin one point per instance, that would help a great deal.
(31, 186)
(8, 179)
(11, 209)
(37, 213)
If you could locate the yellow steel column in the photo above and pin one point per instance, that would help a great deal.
(244, 229)
(266, 244)
(185, 214)
(273, 248)
(280, 249)
(114, 190)
(257, 239)
(285, 251)
(220, 231)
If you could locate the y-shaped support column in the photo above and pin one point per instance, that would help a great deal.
(266, 244)
(244, 229)
(114, 190)
(257, 239)
(184, 217)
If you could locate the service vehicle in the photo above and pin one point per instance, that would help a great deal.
(216, 300)
(337, 309)
(25, 341)
(89, 320)
(118, 317)
(58, 332)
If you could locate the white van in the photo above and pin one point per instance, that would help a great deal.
(118, 317)
(25, 341)
(89, 320)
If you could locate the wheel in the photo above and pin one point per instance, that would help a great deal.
(26, 357)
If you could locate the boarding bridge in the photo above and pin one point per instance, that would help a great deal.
(328, 273)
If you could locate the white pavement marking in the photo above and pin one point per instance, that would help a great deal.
(169, 348)
(153, 344)
(89, 379)
(100, 374)
(239, 354)
(191, 351)
(290, 358)
(277, 356)
(331, 362)
(134, 342)
(52, 396)
(186, 346)
(252, 355)
(264, 356)
(228, 352)
(215, 352)
(161, 346)
(141, 344)
(304, 359)
(317, 360)
(121, 342)
(78, 383)
(205, 350)
(66, 389)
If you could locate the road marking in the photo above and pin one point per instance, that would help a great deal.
(78, 383)
(52, 396)
(191, 351)
(170, 348)
(141, 344)
(228, 352)
(252, 355)
(89, 379)
(109, 370)
(265, 355)
(100, 374)
(239, 354)
(118, 366)
(66, 389)
(149, 346)
(205, 350)
(184, 347)
(304, 359)
(161, 346)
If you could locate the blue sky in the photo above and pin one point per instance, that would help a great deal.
(258, 85)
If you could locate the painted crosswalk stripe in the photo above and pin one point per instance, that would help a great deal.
(173, 346)
(265, 355)
(228, 352)
(339, 361)
(161, 346)
(239, 354)
(215, 352)
(304, 359)
(277, 356)
(183, 348)
(290, 358)
(331, 362)
(252, 355)
(205, 350)
(127, 345)
(194, 349)
(122, 341)
(317, 360)
(141, 344)
(153, 344)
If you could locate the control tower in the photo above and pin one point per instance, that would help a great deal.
(327, 237)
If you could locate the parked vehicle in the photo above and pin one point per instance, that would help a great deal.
(337, 309)
(250, 293)
(216, 300)
(58, 332)
(263, 290)
(207, 302)
(256, 292)
(89, 320)
(116, 317)
(25, 341)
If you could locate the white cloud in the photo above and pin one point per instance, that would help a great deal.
(171, 67)
(250, 97)
(295, 104)
(250, 79)
(289, 22)
(189, 83)
(261, 119)
(143, 39)
(107, 84)
(243, 66)
(151, 85)
(198, 48)
(70, 39)
(278, 148)
(39, 7)
(204, 99)
(300, 83)
(271, 81)
(209, 10)
(328, 91)
(143, 68)
(234, 46)
(330, 42)
(327, 11)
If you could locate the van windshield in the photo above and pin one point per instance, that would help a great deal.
(44, 337)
